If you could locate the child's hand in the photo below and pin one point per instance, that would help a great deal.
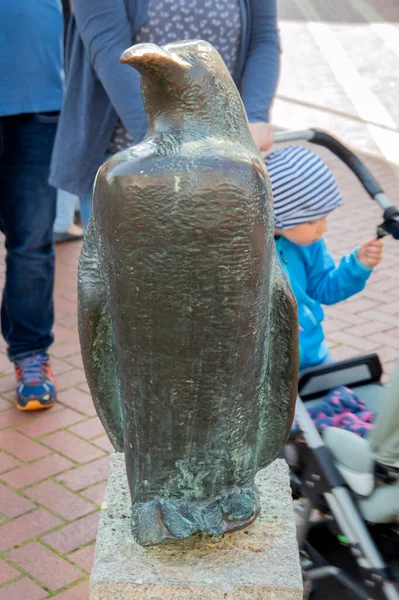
(370, 253)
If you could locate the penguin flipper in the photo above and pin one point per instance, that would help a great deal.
(282, 372)
(96, 340)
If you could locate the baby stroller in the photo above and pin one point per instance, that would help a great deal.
(353, 482)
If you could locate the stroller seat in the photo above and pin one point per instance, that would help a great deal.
(356, 461)
(353, 457)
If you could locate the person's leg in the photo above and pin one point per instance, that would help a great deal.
(85, 207)
(27, 213)
(65, 229)
(65, 211)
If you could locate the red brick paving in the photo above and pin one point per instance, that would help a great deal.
(83, 557)
(77, 592)
(91, 428)
(76, 534)
(83, 477)
(28, 526)
(51, 423)
(21, 446)
(7, 572)
(95, 493)
(72, 447)
(58, 459)
(37, 471)
(22, 590)
(49, 569)
(7, 462)
(59, 500)
(12, 504)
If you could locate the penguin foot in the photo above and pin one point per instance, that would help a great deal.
(164, 519)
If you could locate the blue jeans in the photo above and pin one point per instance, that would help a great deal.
(86, 201)
(27, 213)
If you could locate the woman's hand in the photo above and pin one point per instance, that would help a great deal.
(263, 135)
(370, 253)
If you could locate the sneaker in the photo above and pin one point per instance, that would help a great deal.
(36, 386)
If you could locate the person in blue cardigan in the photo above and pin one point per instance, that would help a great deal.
(103, 110)
(304, 193)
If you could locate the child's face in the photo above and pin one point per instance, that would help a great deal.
(306, 233)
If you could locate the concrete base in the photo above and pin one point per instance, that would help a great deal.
(260, 562)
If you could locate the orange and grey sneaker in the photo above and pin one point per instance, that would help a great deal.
(35, 382)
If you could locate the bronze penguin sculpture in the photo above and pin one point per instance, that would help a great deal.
(187, 325)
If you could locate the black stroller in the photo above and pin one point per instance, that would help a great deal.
(353, 482)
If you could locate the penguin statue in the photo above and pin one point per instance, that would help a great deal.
(187, 324)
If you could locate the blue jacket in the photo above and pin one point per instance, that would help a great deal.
(99, 89)
(315, 280)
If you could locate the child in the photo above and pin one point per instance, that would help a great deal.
(304, 193)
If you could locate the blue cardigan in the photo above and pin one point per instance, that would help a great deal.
(99, 89)
(315, 280)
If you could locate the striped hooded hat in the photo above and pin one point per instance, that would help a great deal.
(304, 188)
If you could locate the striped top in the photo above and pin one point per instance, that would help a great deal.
(304, 188)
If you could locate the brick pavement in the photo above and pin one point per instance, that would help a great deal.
(53, 466)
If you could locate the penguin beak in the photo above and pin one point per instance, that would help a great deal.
(152, 58)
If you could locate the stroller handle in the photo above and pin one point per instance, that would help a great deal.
(322, 138)
(390, 225)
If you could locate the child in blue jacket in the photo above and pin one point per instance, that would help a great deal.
(304, 192)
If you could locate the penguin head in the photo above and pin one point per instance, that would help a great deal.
(186, 80)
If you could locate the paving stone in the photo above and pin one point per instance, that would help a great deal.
(59, 500)
(65, 349)
(88, 429)
(384, 338)
(77, 592)
(54, 421)
(78, 400)
(60, 366)
(7, 383)
(84, 387)
(28, 526)
(74, 535)
(103, 442)
(367, 328)
(11, 417)
(65, 305)
(63, 334)
(6, 366)
(95, 493)
(7, 572)
(362, 344)
(72, 378)
(37, 471)
(7, 462)
(21, 446)
(23, 589)
(82, 477)
(12, 504)
(47, 568)
(76, 360)
(4, 404)
(83, 557)
(72, 447)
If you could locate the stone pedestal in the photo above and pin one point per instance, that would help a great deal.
(260, 562)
